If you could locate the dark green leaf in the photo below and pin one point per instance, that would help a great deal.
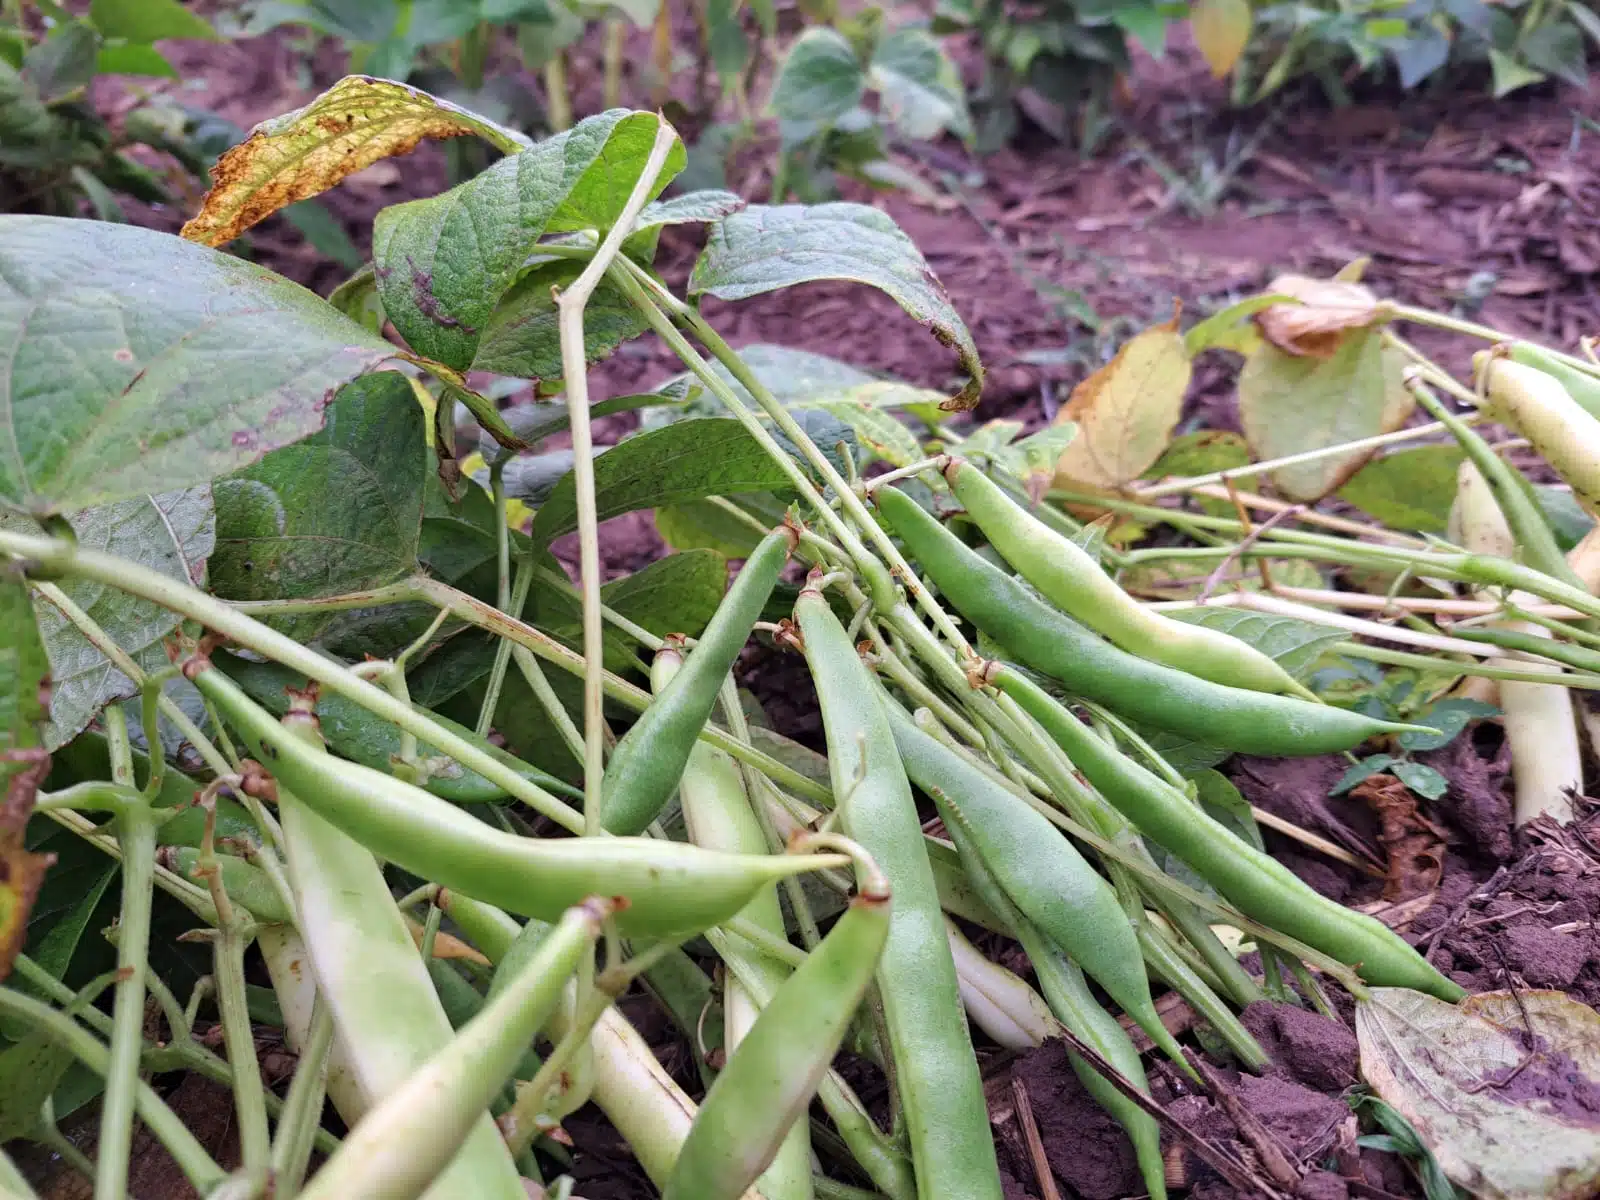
(920, 86)
(24, 665)
(64, 62)
(820, 80)
(1556, 47)
(357, 298)
(324, 231)
(675, 594)
(1201, 453)
(131, 58)
(443, 263)
(766, 248)
(1449, 717)
(1410, 489)
(148, 20)
(1565, 516)
(1418, 55)
(531, 422)
(700, 524)
(1222, 800)
(522, 338)
(1375, 764)
(173, 533)
(124, 381)
(1424, 781)
(684, 461)
(335, 513)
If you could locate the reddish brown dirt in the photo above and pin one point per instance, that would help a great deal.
(1488, 209)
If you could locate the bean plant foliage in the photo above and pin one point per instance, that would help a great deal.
(293, 687)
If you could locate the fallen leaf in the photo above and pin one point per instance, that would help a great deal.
(1504, 1088)
(1126, 411)
(1319, 324)
(1414, 845)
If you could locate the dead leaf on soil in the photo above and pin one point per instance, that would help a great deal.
(1413, 845)
(1126, 411)
(352, 125)
(1317, 326)
(1507, 1118)
(1290, 404)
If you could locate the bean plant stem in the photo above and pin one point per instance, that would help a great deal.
(574, 367)
(198, 1167)
(510, 598)
(136, 838)
(302, 1107)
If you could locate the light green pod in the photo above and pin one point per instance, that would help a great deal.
(1073, 581)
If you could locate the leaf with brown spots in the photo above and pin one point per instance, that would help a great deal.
(1126, 411)
(352, 125)
(24, 704)
(1413, 844)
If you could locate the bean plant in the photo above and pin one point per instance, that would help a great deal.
(291, 659)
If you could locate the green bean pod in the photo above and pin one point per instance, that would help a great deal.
(1074, 1005)
(649, 760)
(941, 1092)
(1159, 696)
(361, 736)
(764, 1090)
(1041, 872)
(672, 890)
(245, 883)
(1538, 407)
(1259, 885)
(1073, 581)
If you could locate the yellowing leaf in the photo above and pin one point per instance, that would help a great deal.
(1126, 411)
(352, 125)
(1290, 405)
(1221, 31)
(1317, 326)
(1500, 1110)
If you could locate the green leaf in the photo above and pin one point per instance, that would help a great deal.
(1410, 489)
(920, 86)
(684, 461)
(820, 80)
(1509, 74)
(675, 594)
(692, 208)
(24, 665)
(1372, 765)
(769, 247)
(1449, 717)
(64, 62)
(1222, 800)
(698, 524)
(357, 298)
(131, 58)
(352, 125)
(1556, 48)
(149, 20)
(523, 340)
(1202, 452)
(1423, 780)
(443, 263)
(879, 431)
(1565, 516)
(172, 533)
(1295, 645)
(338, 512)
(124, 381)
(324, 232)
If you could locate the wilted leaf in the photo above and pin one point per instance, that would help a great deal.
(1126, 410)
(443, 263)
(1409, 489)
(1491, 1086)
(1321, 322)
(1230, 329)
(769, 247)
(123, 382)
(1288, 405)
(173, 533)
(715, 456)
(1221, 31)
(335, 513)
(352, 125)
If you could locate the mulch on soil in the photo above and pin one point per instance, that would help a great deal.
(1491, 210)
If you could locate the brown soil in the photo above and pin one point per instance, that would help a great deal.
(1491, 210)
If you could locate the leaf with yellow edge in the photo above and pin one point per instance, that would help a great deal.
(352, 125)
(1221, 31)
(1126, 410)
(1290, 405)
(1504, 1114)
